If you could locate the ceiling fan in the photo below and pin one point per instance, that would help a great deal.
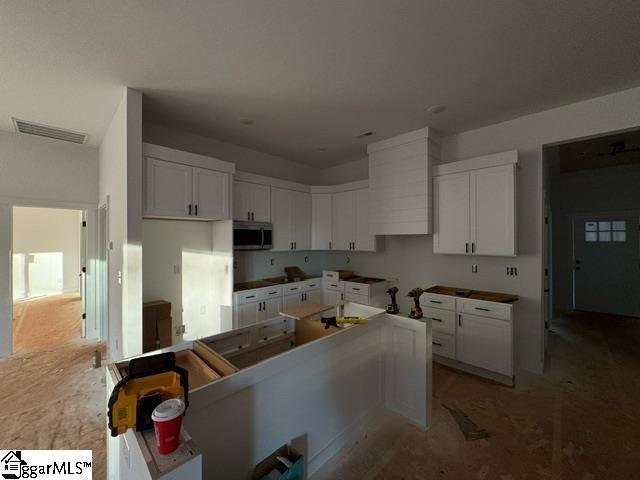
(616, 149)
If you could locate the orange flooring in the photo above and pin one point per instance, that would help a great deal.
(51, 396)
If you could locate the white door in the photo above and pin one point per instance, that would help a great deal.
(169, 189)
(261, 203)
(242, 196)
(408, 371)
(301, 220)
(247, 314)
(485, 343)
(290, 301)
(493, 211)
(321, 221)
(210, 194)
(343, 220)
(607, 264)
(364, 241)
(271, 308)
(282, 219)
(451, 213)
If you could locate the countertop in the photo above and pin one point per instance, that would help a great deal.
(473, 294)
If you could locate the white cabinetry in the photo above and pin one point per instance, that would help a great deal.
(291, 218)
(321, 224)
(400, 183)
(475, 206)
(251, 202)
(176, 190)
(350, 225)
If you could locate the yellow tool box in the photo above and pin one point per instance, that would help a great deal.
(150, 380)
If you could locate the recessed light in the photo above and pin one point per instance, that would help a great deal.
(365, 134)
(433, 109)
(245, 121)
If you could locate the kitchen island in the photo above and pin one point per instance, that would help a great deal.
(266, 389)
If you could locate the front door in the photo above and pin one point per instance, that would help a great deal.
(606, 268)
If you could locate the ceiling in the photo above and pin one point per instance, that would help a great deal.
(599, 152)
(311, 75)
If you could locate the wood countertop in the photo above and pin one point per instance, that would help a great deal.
(473, 294)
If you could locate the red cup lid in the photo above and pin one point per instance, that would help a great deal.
(168, 410)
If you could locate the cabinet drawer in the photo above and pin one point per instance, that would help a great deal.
(271, 292)
(246, 297)
(356, 298)
(274, 328)
(330, 275)
(444, 345)
(231, 343)
(501, 311)
(290, 288)
(334, 286)
(436, 300)
(312, 284)
(441, 320)
(356, 288)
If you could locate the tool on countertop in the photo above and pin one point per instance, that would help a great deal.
(336, 321)
(149, 381)
(393, 306)
(416, 311)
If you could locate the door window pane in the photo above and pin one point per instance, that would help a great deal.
(591, 236)
(619, 236)
(604, 236)
(620, 226)
(590, 227)
(604, 226)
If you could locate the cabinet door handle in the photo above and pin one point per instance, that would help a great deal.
(250, 296)
(436, 319)
(437, 344)
(435, 301)
(252, 216)
(329, 245)
(473, 247)
(355, 289)
(189, 209)
(459, 320)
(260, 307)
(264, 306)
(291, 245)
(482, 309)
(295, 245)
(466, 247)
(196, 208)
(248, 216)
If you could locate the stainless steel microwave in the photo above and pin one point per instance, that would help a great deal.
(252, 236)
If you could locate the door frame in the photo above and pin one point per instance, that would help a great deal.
(88, 213)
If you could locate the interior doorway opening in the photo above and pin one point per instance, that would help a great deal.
(48, 277)
(592, 211)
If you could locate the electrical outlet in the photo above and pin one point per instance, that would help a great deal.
(180, 330)
(348, 259)
(177, 269)
(474, 268)
(512, 271)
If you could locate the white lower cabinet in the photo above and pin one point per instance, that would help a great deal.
(486, 343)
(246, 314)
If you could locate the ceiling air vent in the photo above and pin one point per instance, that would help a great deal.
(39, 130)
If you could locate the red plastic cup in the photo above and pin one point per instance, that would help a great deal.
(167, 421)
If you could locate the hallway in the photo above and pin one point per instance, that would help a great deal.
(581, 420)
(52, 397)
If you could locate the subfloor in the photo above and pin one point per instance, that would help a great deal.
(51, 396)
(581, 420)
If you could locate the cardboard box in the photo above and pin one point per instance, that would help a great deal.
(156, 325)
(264, 470)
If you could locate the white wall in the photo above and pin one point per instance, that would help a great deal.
(39, 172)
(587, 191)
(246, 160)
(183, 265)
(40, 230)
(120, 167)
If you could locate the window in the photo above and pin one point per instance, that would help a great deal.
(605, 231)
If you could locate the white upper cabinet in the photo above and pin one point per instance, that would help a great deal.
(291, 218)
(363, 240)
(350, 225)
(400, 183)
(321, 221)
(169, 189)
(475, 206)
(251, 202)
(451, 213)
(210, 194)
(176, 185)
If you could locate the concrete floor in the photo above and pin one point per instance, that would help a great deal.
(581, 420)
(51, 396)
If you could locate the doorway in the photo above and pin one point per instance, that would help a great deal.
(594, 239)
(48, 277)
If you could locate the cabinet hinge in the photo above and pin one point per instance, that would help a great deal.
(546, 272)
(84, 269)
(84, 316)
(84, 223)
(546, 220)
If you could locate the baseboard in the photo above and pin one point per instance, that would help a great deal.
(480, 372)
(346, 438)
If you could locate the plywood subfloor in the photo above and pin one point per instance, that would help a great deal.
(51, 396)
(45, 322)
(580, 421)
